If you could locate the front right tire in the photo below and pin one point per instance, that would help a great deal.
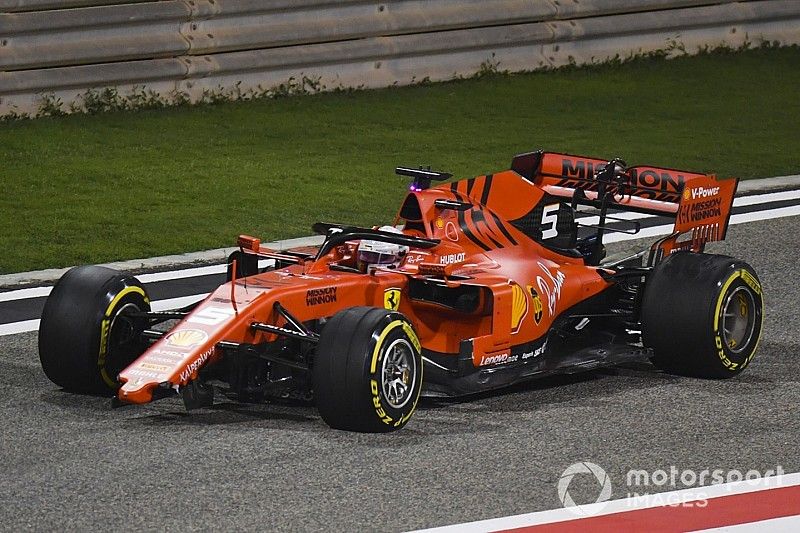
(367, 371)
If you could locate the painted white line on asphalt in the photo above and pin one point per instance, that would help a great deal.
(183, 273)
(21, 294)
(654, 231)
(194, 272)
(765, 198)
(766, 215)
(158, 305)
(38, 292)
(19, 327)
(594, 220)
(741, 201)
(741, 218)
(619, 506)
(787, 524)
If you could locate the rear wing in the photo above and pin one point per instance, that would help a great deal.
(700, 204)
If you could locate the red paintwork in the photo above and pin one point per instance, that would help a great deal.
(507, 258)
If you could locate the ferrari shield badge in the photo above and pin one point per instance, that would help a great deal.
(391, 299)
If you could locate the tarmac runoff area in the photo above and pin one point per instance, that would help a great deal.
(72, 463)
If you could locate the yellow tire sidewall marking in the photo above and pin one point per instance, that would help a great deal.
(722, 293)
(385, 418)
(751, 282)
(105, 326)
(388, 329)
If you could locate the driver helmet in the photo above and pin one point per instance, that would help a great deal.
(380, 253)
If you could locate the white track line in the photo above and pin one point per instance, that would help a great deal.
(19, 327)
(741, 218)
(158, 305)
(737, 202)
(194, 272)
(21, 294)
(183, 273)
(38, 292)
(787, 524)
(620, 505)
(654, 231)
(765, 198)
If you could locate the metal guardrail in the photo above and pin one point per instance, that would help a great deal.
(194, 46)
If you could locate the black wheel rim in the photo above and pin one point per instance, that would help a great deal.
(123, 339)
(399, 373)
(738, 319)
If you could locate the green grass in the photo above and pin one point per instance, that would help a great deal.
(89, 189)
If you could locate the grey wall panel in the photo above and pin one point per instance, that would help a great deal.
(92, 35)
(86, 76)
(198, 46)
(92, 17)
(93, 46)
(40, 5)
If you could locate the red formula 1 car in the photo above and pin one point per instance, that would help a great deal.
(480, 283)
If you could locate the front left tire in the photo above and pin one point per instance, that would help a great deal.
(87, 333)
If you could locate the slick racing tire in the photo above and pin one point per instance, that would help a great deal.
(702, 315)
(86, 336)
(367, 372)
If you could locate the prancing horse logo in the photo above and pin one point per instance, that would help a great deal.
(391, 299)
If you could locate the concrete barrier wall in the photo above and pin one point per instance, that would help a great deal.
(64, 47)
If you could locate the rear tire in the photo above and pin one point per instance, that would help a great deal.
(702, 315)
(367, 372)
(85, 339)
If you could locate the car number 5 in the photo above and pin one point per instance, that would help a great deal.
(550, 218)
(211, 316)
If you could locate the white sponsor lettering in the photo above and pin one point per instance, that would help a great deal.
(498, 359)
(167, 354)
(157, 359)
(451, 232)
(535, 353)
(149, 365)
(702, 192)
(211, 316)
(139, 372)
(551, 290)
(449, 259)
(194, 365)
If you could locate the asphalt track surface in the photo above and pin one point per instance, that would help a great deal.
(72, 463)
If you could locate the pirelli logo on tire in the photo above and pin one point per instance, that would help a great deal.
(748, 278)
(376, 401)
(395, 373)
(737, 319)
